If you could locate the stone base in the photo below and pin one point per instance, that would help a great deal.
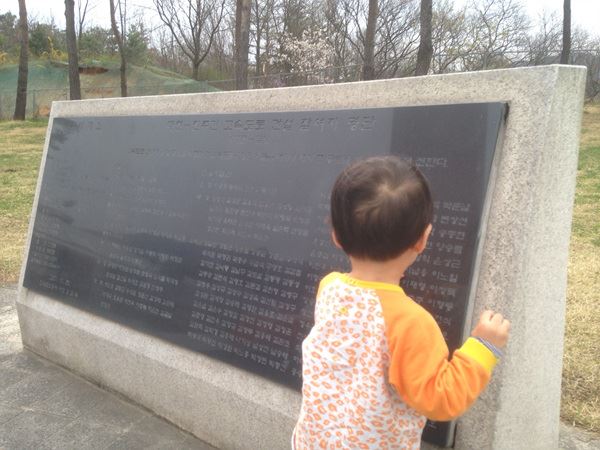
(222, 405)
(522, 271)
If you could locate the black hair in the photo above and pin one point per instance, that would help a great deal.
(380, 207)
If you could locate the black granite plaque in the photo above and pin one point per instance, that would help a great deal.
(210, 231)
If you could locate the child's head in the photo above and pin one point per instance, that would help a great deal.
(380, 207)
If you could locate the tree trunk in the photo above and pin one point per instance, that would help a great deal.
(194, 24)
(242, 38)
(123, 71)
(258, 54)
(196, 70)
(369, 61)
(21, 103)
(425, 46)
(120, 45)
(81, 13)
(566, 47)
(74, 84)
(266, 66)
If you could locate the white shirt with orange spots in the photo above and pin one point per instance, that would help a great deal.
(375, 366)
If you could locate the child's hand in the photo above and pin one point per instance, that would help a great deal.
(493, 328)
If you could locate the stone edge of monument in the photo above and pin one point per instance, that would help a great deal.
(522, 268)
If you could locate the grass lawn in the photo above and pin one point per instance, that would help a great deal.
(581, 373)
(21, 149)
(21, 146)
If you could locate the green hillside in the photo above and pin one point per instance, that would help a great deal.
(48, 81)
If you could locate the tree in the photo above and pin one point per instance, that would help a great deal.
(119, 37)
(369, 61)
(21, 103)
(587, 54)
(337, 28)
(96, 41)
(193, 25)
(74, 84)
(242, 43)
(167, 53)
(290, 24)
(425, 46)
(44, 38)
(498, 31)
(544, 42)
(566, 34)
(449, 35)
(300, 42)
(39, 40)
(395, 39)
(8, 33)
(308, 55)
(136, 44)
(82, 9)
(262, 21)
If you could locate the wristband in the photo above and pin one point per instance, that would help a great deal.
(491, 347)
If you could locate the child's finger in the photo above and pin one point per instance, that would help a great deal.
(497, 319)
(487, 315)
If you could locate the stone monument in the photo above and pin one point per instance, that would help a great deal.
(176, 241)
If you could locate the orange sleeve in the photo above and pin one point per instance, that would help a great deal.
(419, 367)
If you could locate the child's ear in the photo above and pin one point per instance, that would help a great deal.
(422, 242)
(334, 239)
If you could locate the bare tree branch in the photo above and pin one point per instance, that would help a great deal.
(119, 37)
(193, 25)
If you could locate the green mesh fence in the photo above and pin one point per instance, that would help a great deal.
(48, 82)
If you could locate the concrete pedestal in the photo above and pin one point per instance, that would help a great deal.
(522, 271)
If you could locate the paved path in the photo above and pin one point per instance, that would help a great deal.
(44, 407)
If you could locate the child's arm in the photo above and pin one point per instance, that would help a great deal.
(420, 370)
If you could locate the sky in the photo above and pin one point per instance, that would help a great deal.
(584, 13)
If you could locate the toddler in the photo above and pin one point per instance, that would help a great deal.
(375, 364)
